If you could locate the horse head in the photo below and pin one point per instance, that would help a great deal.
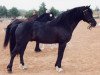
(88, 16)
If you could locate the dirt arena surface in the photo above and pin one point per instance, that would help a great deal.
(81, 57)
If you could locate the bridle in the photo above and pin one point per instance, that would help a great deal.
(85, 12)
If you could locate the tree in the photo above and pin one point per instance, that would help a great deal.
(29, 13)
(8, 14)
(14, 12)
(3, 11)
(54, 11)
(42, 9)
(22, 12)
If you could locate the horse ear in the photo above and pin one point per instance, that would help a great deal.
(89, 6)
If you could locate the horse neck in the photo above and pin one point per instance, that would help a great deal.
(72, 19)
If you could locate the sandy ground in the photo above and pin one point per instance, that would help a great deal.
(81, 57)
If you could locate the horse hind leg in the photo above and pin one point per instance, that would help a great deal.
(13, 51)
(13, 54)
(19, 48)
(37, 48)
(12, 39)
(22, 64)
(12, 44)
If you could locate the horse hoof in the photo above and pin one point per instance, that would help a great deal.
(9, 70)
(59, 69)
(37, 51)
(23, 67)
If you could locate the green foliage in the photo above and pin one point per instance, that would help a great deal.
(8, 14)
(14, 12)
(22, 12)
(3, 11)
(54, 11)
(42, 9)
(30, 13)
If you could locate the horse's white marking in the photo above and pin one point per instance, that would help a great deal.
(22, 67)
(58, 69)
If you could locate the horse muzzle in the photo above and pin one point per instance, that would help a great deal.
(93, 23)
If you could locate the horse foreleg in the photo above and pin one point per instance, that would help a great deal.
(60, 56)
(37, 48)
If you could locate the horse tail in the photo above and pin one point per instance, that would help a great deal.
(7, 36)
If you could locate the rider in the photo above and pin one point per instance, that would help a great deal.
(34, 16)
(49, 16)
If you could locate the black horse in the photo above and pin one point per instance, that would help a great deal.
(58, 31)
(11, 28)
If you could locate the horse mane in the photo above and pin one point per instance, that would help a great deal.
(70, 14)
